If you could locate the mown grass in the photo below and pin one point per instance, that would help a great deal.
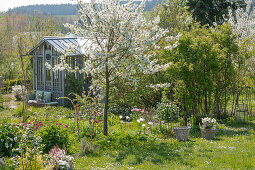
(233, 148)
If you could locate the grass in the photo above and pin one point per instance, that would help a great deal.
(233, 147)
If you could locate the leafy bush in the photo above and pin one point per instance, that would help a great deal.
(167, 111)
(18, 92)
(87, 147)
(31, 162)
(54, 135)
(9, 137)
(7, 84)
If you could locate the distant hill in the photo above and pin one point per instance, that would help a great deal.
(66, 9)
(54, 9)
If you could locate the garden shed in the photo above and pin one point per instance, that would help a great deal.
(49, 50)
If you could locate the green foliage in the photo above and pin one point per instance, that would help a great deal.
(167, 111)
(1, 100)
(173, 16)
(87, 147)
(209, 11)
(31, 162)
(119, 140)
(7, 84)
(203, 69)
(54, 135)
(9, 139)
(74, 85)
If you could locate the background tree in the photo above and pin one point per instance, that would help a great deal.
(202, 69)
(173, 16)
(243, 24)
(210, 11)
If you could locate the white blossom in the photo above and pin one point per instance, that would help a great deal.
(117, 37)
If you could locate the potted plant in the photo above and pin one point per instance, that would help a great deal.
(168, 111)
(182, 132)
(208, 128)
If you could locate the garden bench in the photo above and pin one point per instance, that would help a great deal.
(41, 99)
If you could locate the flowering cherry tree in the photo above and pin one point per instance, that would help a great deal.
(243, 25)
(120, 43)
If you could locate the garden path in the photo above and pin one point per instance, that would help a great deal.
(9, 101)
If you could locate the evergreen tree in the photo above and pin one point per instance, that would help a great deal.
(210, 11)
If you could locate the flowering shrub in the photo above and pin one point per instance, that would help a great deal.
(59, 158)
(54, 135)
(9, 137)
(208, 123)
(167, 111)
(18, 91)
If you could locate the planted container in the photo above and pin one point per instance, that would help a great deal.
(182, 133)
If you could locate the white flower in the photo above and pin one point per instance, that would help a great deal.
(121, 117)
(141, 119)
(138, 120)
(127, 117)
(143, 125)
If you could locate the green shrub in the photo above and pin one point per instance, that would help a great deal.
(19, 111)
(7, 84)
(9, 137)
(87, 147)
(167, 111)
(54, 135)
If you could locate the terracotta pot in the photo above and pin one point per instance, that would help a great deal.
(182, 133)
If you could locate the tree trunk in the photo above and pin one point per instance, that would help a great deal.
(107, 83)
(206, 104)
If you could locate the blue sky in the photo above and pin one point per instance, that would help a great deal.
(6, 4)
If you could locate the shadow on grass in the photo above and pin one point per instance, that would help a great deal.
(155, 152)
(227, 130)
(235, 129)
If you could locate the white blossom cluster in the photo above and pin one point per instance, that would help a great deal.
(208, 122)
(159, 86)
(243, 21)
(117, 38)
(243, 24)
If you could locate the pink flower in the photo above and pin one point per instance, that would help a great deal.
(13, 125)
(90, 122)
(100, 120)
(99, 114)
(142, 111)
(36, 127)
(59, 123)
(66, 125)
(56, 123)
(136, 110)
(150, 123)
(96, 121)
(162, 122)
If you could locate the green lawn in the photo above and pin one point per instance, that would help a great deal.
(127, 148)
(233, 148)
